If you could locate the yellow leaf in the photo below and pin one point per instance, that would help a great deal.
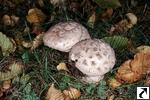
(91, 20)
(113, 83)
(62, 66)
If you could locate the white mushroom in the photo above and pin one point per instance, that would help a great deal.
(64, 35)
(94, 58)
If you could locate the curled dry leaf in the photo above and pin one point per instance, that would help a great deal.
(125, 24)
(10, 20)
(14, 68)
(7, 44)
(62, 66)
(72, 93)
(35, 16)
(54, 94)
(6, 84)
(38, 40)
(125, 73)
(133, 70)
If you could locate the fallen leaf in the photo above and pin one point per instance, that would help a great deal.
(133, 70)
(14, 68)
(72, 93)
(6, 84)
(10, 20)
(143, 48)
(27, 44)
(125, 24)
(54, 94)
(113, 83)
(117, 42)
(126, 75)
(7, 44)
(35, 16)
(38, 40)
(62, 66)
(91, 20)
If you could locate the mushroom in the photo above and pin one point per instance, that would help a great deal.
(64, 35)
(94, 58)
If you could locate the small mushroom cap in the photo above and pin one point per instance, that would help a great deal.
(93, 57)
(64, 35)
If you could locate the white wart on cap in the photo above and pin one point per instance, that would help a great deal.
(64, 35)
(94, 58)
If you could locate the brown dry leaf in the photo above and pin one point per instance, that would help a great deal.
(15, 18)
(133, 70)
(62, 66)
(38, 40)
(113, 83)
(6, 84)
(54, 94)
(143, 48)
(125, 24)
(125, 73)
(35, 16)
(91, 20)
(10, 20)
(72, 93)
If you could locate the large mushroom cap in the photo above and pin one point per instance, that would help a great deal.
(64, 35)
(93, 57)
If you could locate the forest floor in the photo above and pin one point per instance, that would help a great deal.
(40, 70)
